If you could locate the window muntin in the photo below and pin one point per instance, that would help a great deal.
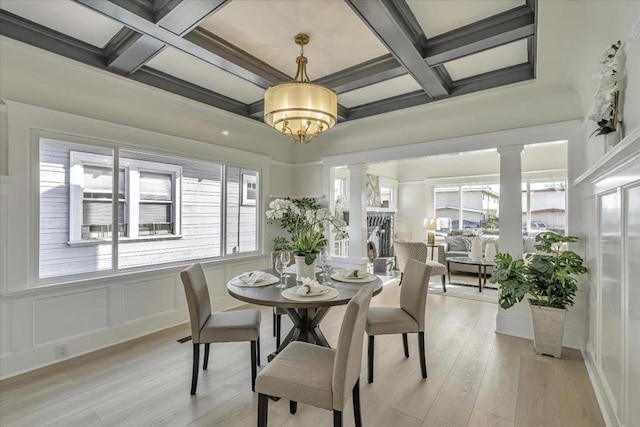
(169, 210)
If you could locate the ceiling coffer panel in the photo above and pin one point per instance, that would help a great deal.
(377, 55)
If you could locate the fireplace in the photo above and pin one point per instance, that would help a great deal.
(380, 234)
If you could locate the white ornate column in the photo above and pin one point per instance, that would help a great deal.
(511, 200)
(357, 258)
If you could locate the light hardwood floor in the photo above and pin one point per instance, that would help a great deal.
(476, 378)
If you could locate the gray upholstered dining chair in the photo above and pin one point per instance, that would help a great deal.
(417, 250)
(407, 318)
(316, 375)
(208, 327)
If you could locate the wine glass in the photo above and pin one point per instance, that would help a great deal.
(325, 263)
(279, 267)
(285, 256)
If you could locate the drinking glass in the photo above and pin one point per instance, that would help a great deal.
(325, 263)
(286, 260)
(279, 267)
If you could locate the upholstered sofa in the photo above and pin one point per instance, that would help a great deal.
(459, 246)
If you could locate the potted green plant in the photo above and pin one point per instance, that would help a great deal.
(306, 222)
(281, 244)
(549, 278)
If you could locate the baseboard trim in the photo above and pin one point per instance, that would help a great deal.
(608, 413)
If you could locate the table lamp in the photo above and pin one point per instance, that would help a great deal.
(431, 225)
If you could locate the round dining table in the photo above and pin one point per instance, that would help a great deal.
(305, 315)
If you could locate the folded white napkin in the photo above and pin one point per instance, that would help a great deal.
(309, 286)
(355, 274)
(251, 277)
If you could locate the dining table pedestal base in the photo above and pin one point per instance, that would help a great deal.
(306, 327)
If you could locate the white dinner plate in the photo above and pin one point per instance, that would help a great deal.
(310, 294)
(342, 276)
(290, 294)
(268, 279)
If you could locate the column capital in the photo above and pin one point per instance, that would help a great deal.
(510, 150)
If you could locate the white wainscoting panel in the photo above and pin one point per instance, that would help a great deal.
(69, 315)
(610, 327)
(6, 343)
(611, 190)
(147, 298)
(632, 281)
(94, 316)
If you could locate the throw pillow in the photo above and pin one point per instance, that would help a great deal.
(467, 243)
(456, 243)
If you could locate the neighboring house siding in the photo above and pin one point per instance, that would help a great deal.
(200, 189)
(241, 219)
(55, 253)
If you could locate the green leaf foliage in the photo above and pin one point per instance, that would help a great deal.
(549, 276)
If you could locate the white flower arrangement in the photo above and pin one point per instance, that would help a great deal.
(608, 80)
(306, 226)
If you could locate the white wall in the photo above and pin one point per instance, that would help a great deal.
(611, 203)
(92, 313)
(612, 234)
(412, 209)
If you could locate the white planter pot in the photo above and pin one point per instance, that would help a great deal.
(612, 139)
(548, 329)
(304, 270)
(490, 252)
(476, 250)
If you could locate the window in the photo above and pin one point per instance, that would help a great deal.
(547, 210)
(169, 209)
(249, 189)
(447, 202)
(96, 203)
(155, 210)
(340, 187)
(146, 197)
(468, 207)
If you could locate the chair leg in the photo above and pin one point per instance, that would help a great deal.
(356, 404)
(337, 418)
(278, 324)
(263, 409)
(254, 351)
(258, 351)
(205, 365)
(273, 315)
(371, 344)
(444, 283)
(196, 365)
(405, 343)
(423, 362)
(293, 407)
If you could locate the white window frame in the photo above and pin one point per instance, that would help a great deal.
(132, 168)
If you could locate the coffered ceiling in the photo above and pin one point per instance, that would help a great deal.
(378, 55)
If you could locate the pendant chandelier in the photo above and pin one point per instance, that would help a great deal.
(300, 109)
